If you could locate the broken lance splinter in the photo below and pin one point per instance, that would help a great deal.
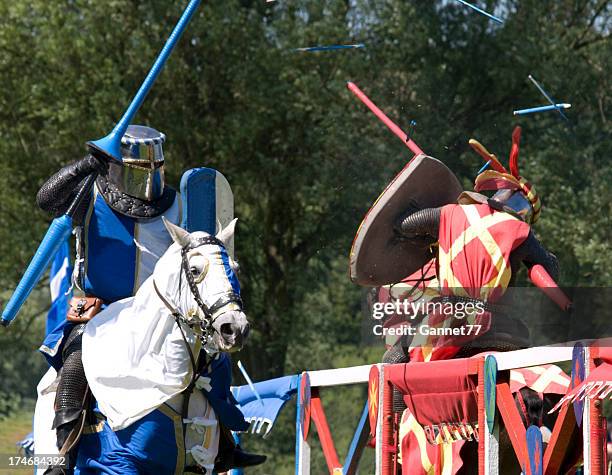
(546, 95)
(484, 167)
(329, 48)
(481, 11)
(542, 109)
(249, 381)
(107, 147)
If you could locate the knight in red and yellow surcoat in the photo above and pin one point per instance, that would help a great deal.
(478, 246)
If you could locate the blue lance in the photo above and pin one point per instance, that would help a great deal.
(108, 147)
(542, 109)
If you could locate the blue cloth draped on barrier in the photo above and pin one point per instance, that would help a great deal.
(274, 393)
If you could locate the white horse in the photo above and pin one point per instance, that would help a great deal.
(140, 356)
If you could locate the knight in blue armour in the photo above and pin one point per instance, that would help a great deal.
(119, 237)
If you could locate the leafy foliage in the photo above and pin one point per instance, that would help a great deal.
(9, 403)
(304, 158)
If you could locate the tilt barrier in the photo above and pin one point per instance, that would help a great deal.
(453, 402)
(472, 399)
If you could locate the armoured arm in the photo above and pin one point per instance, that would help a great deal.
(532, 252)
(57, 192)
(421, 224)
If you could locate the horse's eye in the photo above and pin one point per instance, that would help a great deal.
(198, 267)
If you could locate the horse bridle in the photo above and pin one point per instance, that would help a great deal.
(210, 313)
(225, 299)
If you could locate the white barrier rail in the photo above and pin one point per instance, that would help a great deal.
(340, 376)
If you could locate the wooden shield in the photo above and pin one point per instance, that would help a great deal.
(378, 257)
(207, 201)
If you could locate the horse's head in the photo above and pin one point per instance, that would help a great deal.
(206, 287)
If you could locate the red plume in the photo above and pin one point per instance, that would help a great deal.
(514, 151)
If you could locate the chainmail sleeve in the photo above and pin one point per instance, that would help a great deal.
(56, 194)
(532, 252)
(398, 353)
(423, 223)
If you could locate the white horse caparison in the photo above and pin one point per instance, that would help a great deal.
(139, 352)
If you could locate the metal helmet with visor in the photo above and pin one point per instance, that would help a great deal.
(141, 173)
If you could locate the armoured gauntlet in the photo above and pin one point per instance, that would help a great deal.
(57, 192)
(531, 252)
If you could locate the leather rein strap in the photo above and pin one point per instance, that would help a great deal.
(178, 317)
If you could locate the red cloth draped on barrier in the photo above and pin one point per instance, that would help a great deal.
(438, 391)
(441, 414)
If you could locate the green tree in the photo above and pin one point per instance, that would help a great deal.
(306, 159)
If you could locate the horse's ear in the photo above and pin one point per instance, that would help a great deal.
(178, 234)
(226, 234)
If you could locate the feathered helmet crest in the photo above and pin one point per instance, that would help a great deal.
(500, 179)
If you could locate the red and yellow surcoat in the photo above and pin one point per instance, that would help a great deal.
(475, 242)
